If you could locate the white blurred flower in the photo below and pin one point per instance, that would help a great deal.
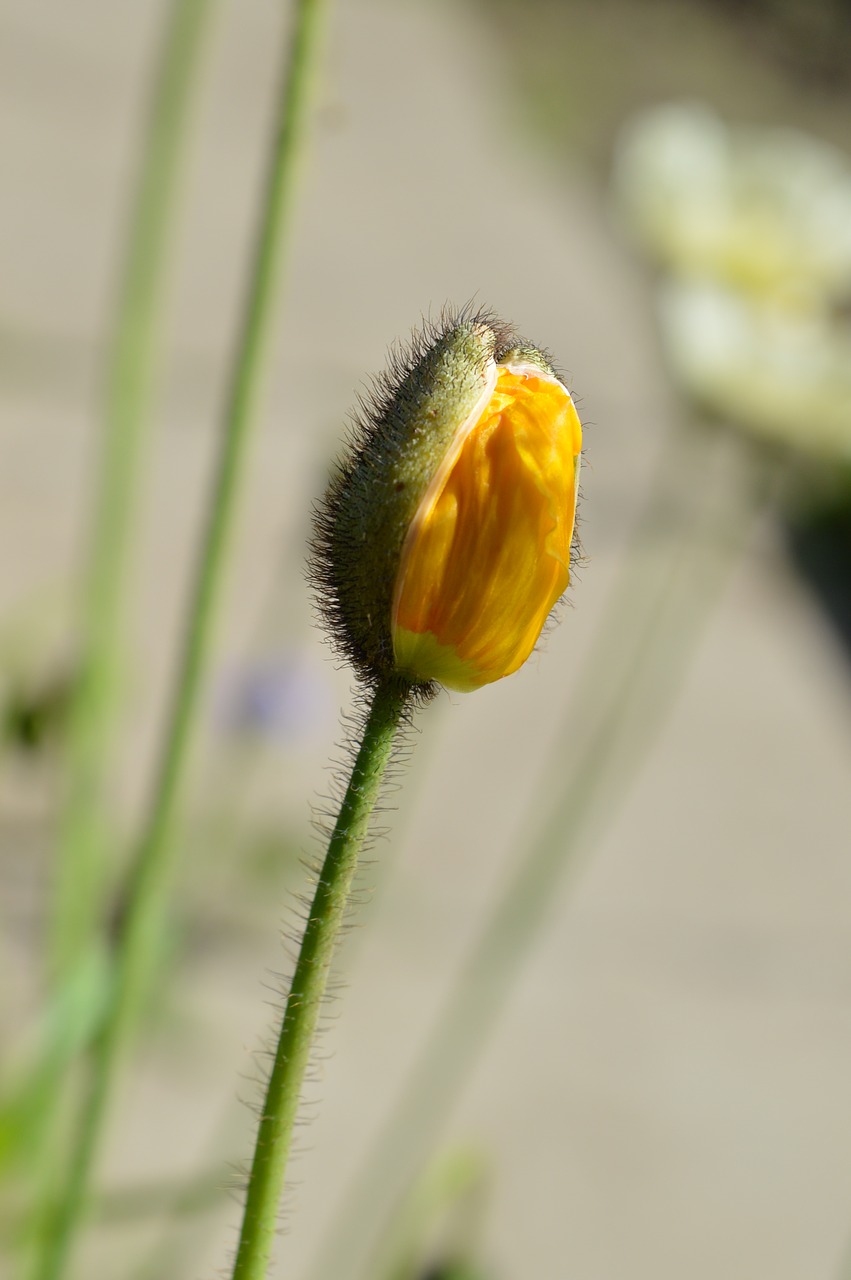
(761, 209)
(784, 374)
(752, 231)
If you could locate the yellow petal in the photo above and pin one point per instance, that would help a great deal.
(488, 552)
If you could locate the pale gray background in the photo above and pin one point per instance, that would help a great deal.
(668, 1092)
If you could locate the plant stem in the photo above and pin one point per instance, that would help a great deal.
(76, 944)
(301, 1013)
(142, 902)
(611, 725)
(81, 885)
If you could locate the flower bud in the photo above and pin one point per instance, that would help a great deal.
(445, 537)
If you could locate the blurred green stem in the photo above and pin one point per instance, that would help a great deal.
(82, 875)
(144, 897)
(659, 620)
(81, 882)
(444, 1205)
(301, 1012)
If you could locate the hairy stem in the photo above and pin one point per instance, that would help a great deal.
(143, 899)
(274, 1133)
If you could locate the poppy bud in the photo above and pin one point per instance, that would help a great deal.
(444, 539)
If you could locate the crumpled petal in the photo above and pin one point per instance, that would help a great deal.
(488, 552)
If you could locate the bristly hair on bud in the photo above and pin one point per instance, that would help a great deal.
(443, 540)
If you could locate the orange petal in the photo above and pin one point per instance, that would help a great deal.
(488, 552)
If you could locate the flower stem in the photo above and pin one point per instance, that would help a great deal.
(301, 1012)
(80, 882)
(141, 904)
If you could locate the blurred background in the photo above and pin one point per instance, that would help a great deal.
(656, 1083)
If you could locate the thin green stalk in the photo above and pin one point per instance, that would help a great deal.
(612, 728)
(76, 945)
(80, 880)
(301, 1013)
(446, 1203)
(142, 902)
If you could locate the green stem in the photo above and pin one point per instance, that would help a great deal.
(143, 900)
(301, 1013)
(446, 1203)
(611, 726)
(80, 881)
(81, 875)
